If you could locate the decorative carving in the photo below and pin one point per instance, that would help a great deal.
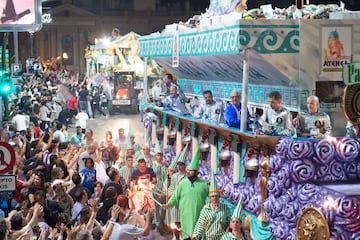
(265, 171)
(312, 225)
(351, 103)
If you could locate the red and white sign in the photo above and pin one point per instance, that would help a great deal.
(7, 157)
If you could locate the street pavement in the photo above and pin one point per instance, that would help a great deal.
(102, 124)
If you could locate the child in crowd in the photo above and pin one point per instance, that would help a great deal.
(89, 175)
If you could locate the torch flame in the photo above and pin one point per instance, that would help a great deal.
(173, 226)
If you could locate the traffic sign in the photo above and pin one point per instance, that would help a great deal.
(16, 68)
(7, 157)
(7, 183)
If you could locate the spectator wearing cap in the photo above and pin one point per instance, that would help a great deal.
(78, 137)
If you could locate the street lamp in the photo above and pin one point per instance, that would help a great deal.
(65, 57)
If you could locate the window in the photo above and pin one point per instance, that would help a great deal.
(67, 47)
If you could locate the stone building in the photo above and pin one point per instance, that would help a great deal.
(76, 23)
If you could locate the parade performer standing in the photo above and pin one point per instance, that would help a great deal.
(214, 217)
(190, 196)
(172, 214)
(159, 167)
(236, 230)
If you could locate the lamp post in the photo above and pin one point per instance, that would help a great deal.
(65, 57)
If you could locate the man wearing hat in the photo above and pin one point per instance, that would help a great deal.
(190, 196)
(214, 217)
(130, 144)
(178, 163)
(159, 167)
(145, 154)
(236, 230)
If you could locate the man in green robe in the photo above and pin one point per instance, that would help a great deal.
(190, 196)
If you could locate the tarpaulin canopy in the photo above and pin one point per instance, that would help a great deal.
(228, 68)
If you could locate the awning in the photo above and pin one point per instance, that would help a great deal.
(228, 68)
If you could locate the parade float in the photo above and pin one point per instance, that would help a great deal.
(292, 188)
(118, 54)
(118, 60)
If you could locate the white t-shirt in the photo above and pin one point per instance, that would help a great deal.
(156, 91)
(81, 118)
(125, 232)
(20, 122)
(60, 136)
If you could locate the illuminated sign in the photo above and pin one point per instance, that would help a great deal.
(20, 15)
(46, 18)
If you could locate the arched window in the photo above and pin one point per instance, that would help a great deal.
(67, 47)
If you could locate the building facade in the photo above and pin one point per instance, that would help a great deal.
(76, 23)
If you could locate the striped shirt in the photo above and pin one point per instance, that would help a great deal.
(174, 211)
(126, 173)
(230, 236)
(212, 223)
(161, 174)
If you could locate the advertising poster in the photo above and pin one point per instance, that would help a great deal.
(336, 44)
(17, 11)
(175, 53)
